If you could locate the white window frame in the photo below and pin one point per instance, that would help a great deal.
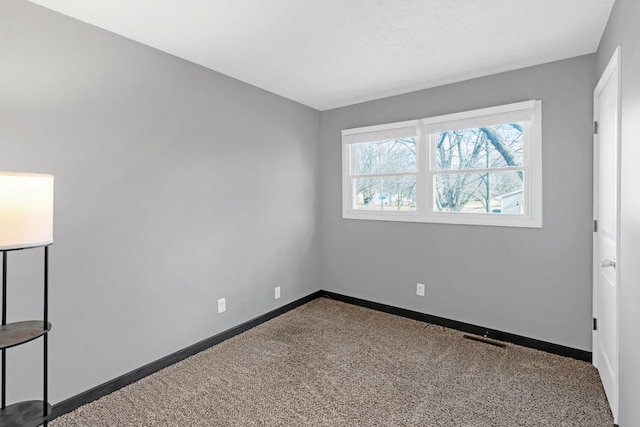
(425, 130)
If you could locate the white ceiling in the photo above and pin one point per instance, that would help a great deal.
(331, 53)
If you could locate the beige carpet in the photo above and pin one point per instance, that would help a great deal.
(328, 363)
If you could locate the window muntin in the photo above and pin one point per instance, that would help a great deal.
(478, 167)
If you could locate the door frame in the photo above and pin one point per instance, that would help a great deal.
(614, 66)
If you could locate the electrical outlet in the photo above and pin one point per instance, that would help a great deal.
(222, 305)
(277, 293)
(420, 289)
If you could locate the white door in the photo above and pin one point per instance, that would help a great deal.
(606, 208)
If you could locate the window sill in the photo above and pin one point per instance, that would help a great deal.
(492, 220)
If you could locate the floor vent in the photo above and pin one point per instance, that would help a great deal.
(484, 340)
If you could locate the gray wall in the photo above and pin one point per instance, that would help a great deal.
(623, 29)
(175, 186)
(531, 282)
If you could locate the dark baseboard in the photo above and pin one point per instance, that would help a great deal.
(467, 327)
(110, 386)
(101, 390)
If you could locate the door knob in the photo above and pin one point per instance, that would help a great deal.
(607, 263)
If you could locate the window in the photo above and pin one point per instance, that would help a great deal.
(477, 167)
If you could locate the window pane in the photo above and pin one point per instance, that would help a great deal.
(396, 193)
(480, 193)
(380, 157)
(480, 148)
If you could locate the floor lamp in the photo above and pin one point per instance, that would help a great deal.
(26, 221)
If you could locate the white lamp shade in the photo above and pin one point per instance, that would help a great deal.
(26, 210)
